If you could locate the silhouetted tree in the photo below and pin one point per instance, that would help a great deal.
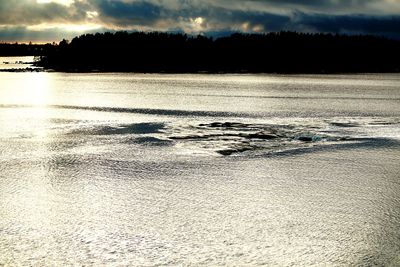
(283, 52)
(15, 49)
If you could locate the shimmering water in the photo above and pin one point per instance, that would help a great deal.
(245, 170)
(9, 63)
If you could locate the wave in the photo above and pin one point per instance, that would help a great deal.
(361, 143)
(229, 138)
(161, 112)
(291, 97)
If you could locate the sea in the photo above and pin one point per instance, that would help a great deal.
(128, 169)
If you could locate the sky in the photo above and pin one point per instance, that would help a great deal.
(54, 20)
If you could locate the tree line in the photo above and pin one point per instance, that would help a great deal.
(277, 52)
(16, 49)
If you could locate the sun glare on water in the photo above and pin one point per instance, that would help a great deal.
(36, 91)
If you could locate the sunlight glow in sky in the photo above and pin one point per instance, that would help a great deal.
(65, 27)
(53, 20)
(62, 2)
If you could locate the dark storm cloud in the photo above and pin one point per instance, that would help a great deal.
(150, 14)
(29, 12)
(269, 21)
(126, 13)
(383, 25)
(225, 18)
(204, 16)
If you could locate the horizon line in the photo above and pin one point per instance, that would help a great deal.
(214, 35)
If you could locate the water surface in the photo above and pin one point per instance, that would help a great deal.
(134, 169)
(14, 63)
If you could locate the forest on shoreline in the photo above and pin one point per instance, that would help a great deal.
(18, 50)
(278, 52)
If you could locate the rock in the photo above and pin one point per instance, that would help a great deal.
(233, 124)
(305, 138)
(344, 124)
(230, 151)
(215, 124)
(224, 124)
(227, 152)
(263, 135)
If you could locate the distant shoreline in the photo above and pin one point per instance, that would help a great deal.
(24, 70)
(275, 52)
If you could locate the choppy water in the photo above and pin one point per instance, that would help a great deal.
(128, 169)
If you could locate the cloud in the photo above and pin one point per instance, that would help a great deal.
(30, 12)
(50, 18)
(49, 34)
(129, 13)
(380, 25)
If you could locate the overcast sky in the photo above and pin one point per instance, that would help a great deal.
(53, 20)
